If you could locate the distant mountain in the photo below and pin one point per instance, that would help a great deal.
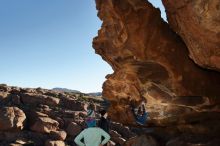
(95, 94)
(65, 90)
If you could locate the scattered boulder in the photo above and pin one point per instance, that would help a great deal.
(54, 143)
(58, 135)
(73, 129)
(35, 99)
(72, 104)
(11, 118)
(43, 124)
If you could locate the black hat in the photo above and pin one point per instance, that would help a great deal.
(102, 112)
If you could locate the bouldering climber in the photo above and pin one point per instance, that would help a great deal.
(140, 112)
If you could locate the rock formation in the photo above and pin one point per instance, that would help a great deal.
(198, 24)
(46, 117)
(149, 59)
(174, 66)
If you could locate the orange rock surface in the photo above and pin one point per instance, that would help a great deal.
(198, 24)
(149, 59)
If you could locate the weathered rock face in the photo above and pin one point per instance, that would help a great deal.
(149, 60)
(198, 24)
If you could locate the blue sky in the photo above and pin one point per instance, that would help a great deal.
(48, 43)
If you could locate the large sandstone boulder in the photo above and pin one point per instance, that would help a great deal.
(42, 123)
(35, 99)
(11, 118)
(72, 104)
(149, 59)
(198, 24)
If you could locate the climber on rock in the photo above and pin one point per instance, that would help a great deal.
(140, 112)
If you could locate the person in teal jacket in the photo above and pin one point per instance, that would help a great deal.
(92, 137)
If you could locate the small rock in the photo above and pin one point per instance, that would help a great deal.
(54, 143)
(118, 140)
(114, 133)
(58, 135)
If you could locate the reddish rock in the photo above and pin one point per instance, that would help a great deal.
(34, 99)
(54, 143)
(149, 60)
(72, 104)
(11, 118)
(203, 36)
(189, 100)
(42, 123)
(73, 129)
(58, 135)
(60, 121)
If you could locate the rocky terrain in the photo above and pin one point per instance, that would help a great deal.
(174, 65)
(40, 117)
